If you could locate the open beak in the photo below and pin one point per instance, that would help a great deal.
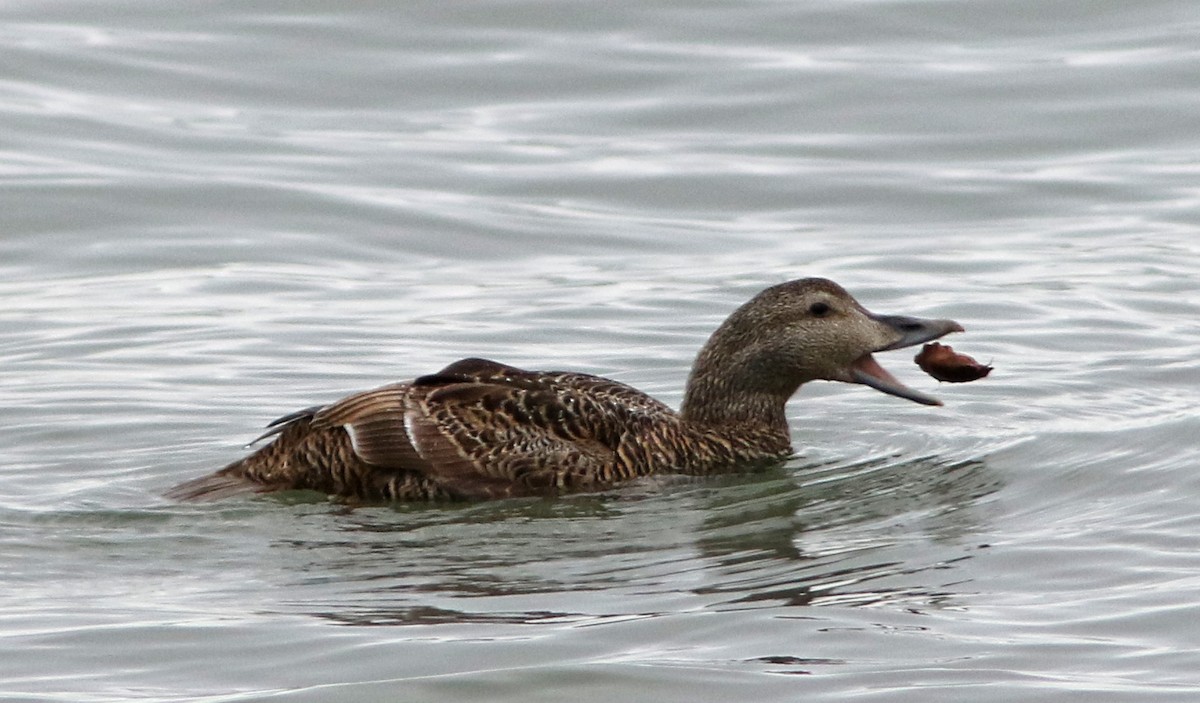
(908, 331)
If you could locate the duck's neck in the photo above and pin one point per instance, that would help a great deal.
(737, 399)
(727, 410)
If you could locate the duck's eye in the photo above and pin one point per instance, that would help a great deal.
(819, 309)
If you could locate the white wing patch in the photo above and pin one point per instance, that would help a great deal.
(409, 429)
(349, 428)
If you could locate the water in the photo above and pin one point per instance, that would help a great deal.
(214, 214)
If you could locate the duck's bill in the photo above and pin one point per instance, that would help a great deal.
(868, 372)
(910, 331)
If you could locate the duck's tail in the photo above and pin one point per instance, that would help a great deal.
(226, 483)
(247, 476)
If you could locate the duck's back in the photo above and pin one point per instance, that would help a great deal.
(475, 429)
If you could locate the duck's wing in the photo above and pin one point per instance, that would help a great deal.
(375, 421)
(379, 421)
(484, 429)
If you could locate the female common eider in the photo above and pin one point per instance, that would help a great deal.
(478, 429)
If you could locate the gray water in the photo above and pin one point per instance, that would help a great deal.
(216, 213)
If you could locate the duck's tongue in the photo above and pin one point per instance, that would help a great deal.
(868, 372)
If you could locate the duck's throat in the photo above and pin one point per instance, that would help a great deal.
(727, 409)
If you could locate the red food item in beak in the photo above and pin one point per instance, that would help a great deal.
(944, 364)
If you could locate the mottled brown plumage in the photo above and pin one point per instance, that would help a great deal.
(478, 429)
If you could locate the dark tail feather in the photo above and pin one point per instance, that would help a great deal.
(223, 484)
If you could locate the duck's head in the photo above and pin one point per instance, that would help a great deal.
(806, 330)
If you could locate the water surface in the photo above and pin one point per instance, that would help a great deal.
(216, 214)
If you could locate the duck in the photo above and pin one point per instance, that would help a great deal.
(479, 429)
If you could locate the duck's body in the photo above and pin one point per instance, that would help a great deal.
(479, 429)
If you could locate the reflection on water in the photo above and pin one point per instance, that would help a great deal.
(788, 536)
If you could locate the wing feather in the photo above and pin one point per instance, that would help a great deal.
(484, 429)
